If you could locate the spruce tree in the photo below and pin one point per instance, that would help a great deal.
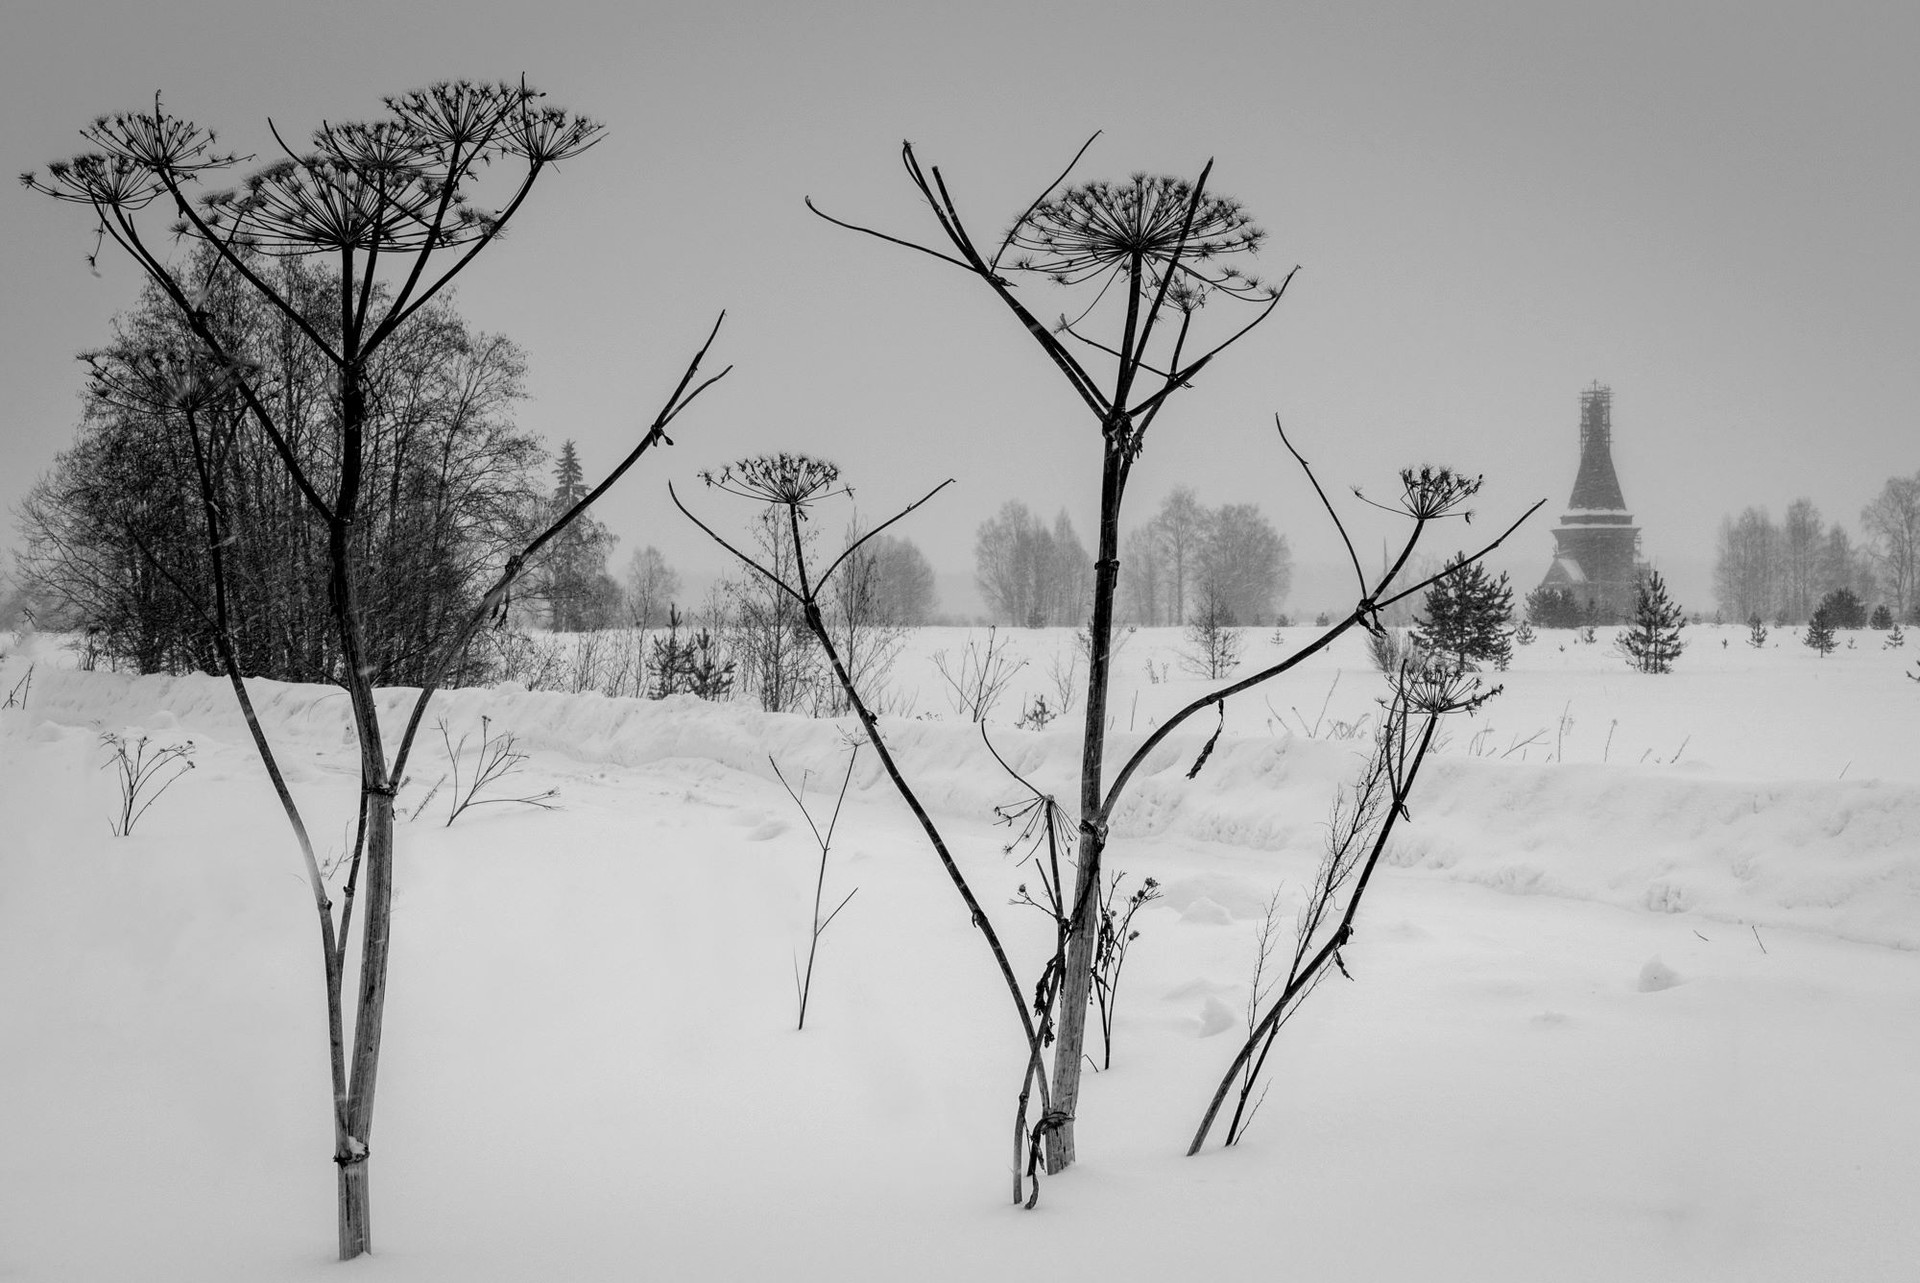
(1653, 642)
(1468, 611)
(580, 595)
(568, 475)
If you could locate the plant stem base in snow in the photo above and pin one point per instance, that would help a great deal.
(356, 1209)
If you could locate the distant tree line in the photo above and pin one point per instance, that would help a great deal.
(1220, 567)
(1029, 574)
(1783, 572)
(1224, 565)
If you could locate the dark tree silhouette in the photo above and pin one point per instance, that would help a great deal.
(1844, 608)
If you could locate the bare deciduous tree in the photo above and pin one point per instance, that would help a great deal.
(1892, 522)
(1030, 576)
(448, 478)
(766, 630)
(1230, 556)
(1746, 566)
(900, 583)
(1244, 563)
(651, 587)
(1802, 538)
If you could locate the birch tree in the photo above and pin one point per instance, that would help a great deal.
(1802, 534)
(1892, 522)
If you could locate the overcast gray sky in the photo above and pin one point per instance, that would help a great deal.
(1709, 207)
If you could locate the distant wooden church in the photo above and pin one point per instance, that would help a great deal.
(1596, 554)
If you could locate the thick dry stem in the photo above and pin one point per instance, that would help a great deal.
(355, 1199)
(367, 1019)
(1076, 980)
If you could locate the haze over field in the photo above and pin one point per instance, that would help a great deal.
(1491, 208)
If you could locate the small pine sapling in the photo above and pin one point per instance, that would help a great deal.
(1756, 631)
(1820, 632)
(1468, 611)
(823, 838)
(142, 777)
(1523, 633)
(1896, 638)
(689, 666)
(1038, 714)
(709, 675)
(1653, 642)
(1882, 618)
(1213, 643)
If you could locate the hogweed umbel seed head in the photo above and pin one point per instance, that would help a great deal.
(1154, 222)
(793, 481)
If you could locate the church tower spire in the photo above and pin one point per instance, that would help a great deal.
(1596, 554)
(1597, 488)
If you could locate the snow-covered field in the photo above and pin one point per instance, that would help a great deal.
(1637, 999)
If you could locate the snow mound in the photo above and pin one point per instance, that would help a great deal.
(1657, 975)
(1833, 856)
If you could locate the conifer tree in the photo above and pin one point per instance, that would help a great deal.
(1820, 631)
(1653, 642)
(1468, 611)
(1844, 608)
(579, 593)
(1553, 608)
(568, 475)
(690, 666)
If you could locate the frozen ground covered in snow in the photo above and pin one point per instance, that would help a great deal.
(1638, 998)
